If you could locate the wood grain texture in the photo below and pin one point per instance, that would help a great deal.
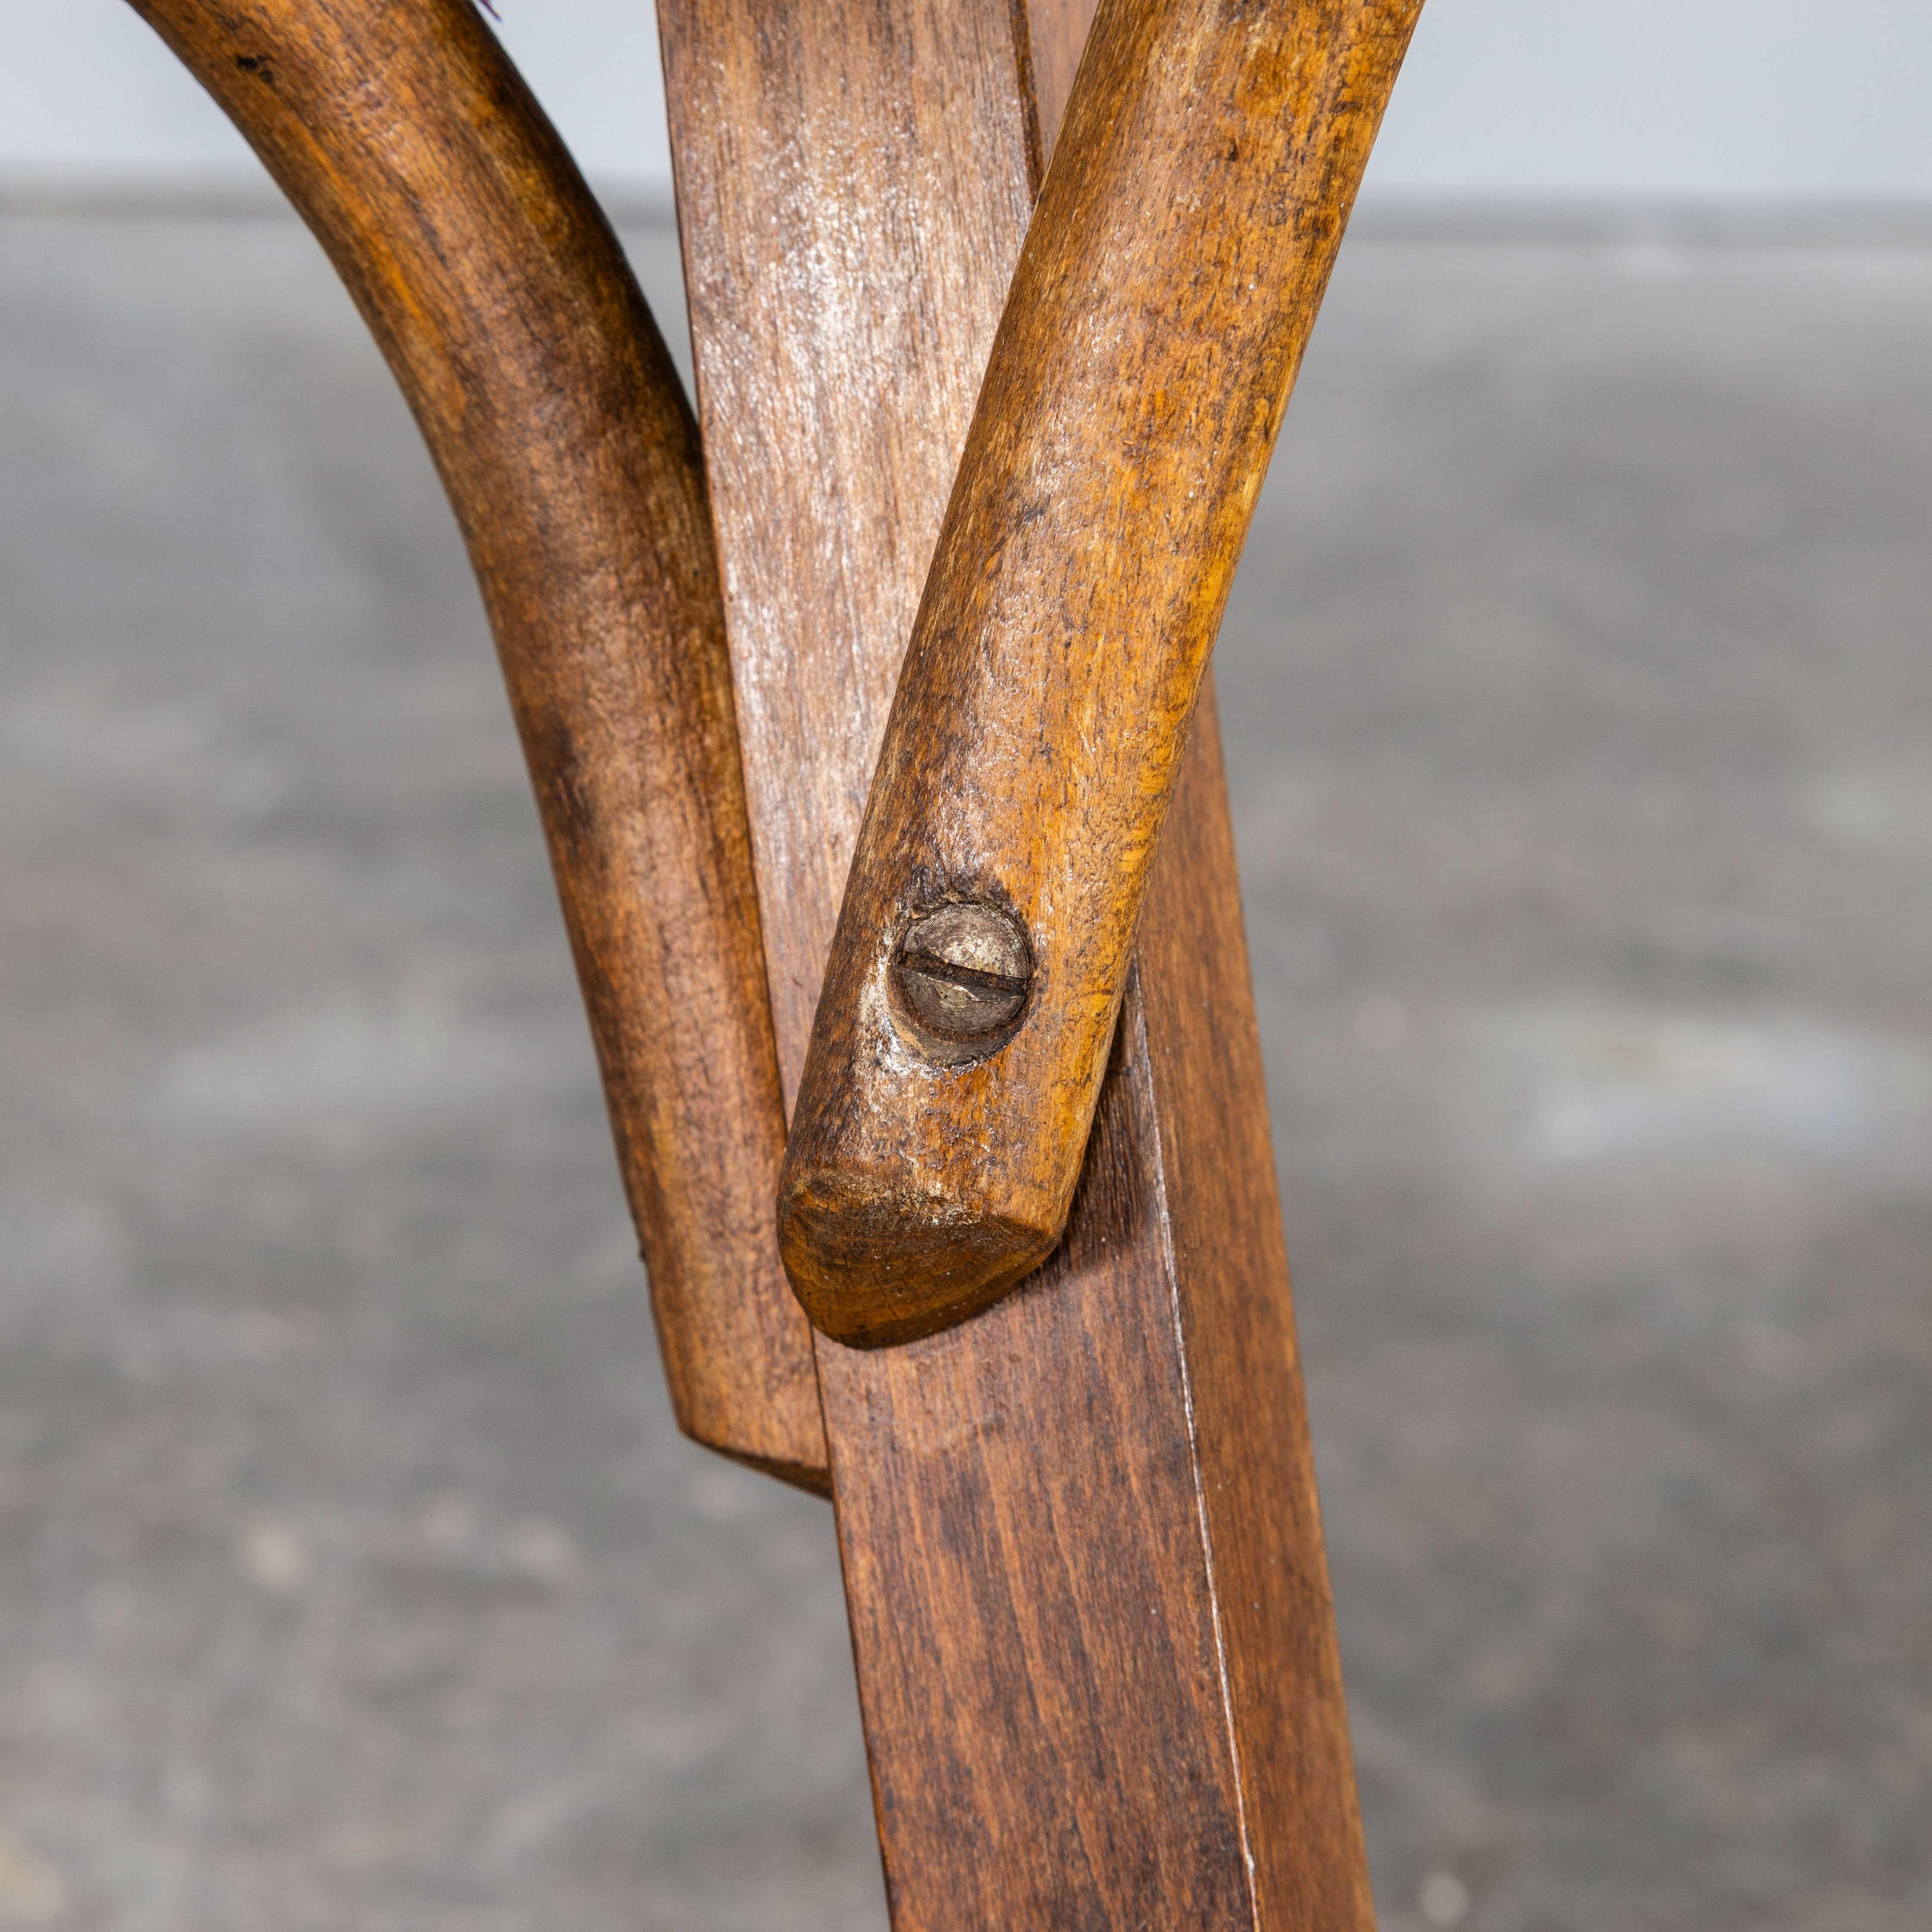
(1055, 35)
(1253, 1462)
(1171, 275)
(1084, 1560)
(504, 306)
(1044, 1513)
(816, 149)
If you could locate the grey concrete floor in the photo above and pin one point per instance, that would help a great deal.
(352, 1575)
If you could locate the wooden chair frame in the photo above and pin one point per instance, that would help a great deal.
(918, 624)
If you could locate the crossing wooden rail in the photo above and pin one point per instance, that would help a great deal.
(1170, 278)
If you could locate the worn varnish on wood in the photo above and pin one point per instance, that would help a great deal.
(1083, 1559)
(503, 304)
(817, 147)
(1166, 290)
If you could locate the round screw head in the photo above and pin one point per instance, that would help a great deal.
(960, 978)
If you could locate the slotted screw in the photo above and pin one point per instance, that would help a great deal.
(961, 975)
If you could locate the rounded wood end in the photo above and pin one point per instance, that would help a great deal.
(873, 1269)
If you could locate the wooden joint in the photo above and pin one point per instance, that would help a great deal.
(1150, 338)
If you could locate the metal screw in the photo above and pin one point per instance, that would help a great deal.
(960, 976)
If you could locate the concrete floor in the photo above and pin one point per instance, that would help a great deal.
(352, 1575)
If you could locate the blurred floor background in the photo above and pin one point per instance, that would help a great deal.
(1579, 705)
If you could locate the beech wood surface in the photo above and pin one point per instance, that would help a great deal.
(503, 302)
(1170, 279)
(817, 147)
(1083, 1558)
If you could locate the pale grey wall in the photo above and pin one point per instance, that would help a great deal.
(1760, 97)
(1703, 97)
(86, 87)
